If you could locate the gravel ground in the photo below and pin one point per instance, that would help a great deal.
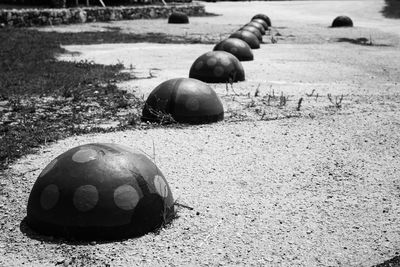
(315, 187)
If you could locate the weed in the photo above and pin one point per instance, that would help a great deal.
(257, 92)
(160, 116)
(283, 100)
(337, 102)
(299, 104)
(251, 104)
(311, 94)
(236, 114)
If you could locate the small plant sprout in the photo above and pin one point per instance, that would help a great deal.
(231, 80)
(299, 104)
(283, 100)
(273, 40)
(337, 102)
(151, 75)
(257, 92)
(272, 91)
(311, 94)
(251, 104)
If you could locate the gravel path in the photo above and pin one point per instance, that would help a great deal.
(321, 189)
(291, 192)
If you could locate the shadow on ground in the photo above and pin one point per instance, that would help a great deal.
(359, 41)
(394, 262)
(391, 9)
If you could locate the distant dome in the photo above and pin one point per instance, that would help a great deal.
(217, 67)
(186, 100)
(262, 22)
(264, 18)
(99, 191)
(178, 18)
(248, 37)
(253, 30)
(342, 21)
(256, 25)
(236, 47)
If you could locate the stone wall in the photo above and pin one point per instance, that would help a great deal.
(40, 17)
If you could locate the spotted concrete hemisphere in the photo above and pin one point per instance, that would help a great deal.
(217, 67)
(178, 18)
(259, 22)
(253, 30)
(248, 37)
(99, 191)
(186, 100)
(236, 47)
(264, 18)
(342, 21)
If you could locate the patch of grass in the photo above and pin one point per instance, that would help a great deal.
(391, 9)
(43, 100)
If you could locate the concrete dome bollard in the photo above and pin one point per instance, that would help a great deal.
(186, 100)
(256, 25)
(236, 47)
(248, 37)
(217, 67)
(99, 191)
(264, 18)
(253, 30)
(342, 21)
(261, 22)
(178, 18)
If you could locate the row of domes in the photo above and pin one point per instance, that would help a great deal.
(108, 191)
(191, 100)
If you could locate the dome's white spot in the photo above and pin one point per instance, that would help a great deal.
(225, 61)
(211, 61)
(209, 54)
(84, 155)
(241, 44)
(218, 71)
(86, 197)
(126, 197)
(199, 65)
(192, 104)
(233, 50)
(48, 167)
(49, 196)
(160, 186)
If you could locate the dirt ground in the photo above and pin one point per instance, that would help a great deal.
(270, 185)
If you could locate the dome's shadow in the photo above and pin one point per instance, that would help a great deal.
(152, 222)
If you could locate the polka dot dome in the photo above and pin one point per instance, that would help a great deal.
(260, 22)
(256, 25)
(342, 21)
(217, 67)
(264, 18)
(178, 18)
(248, 37)
(187, 100)
(236, 47)
(99, 191)
(253, 30)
